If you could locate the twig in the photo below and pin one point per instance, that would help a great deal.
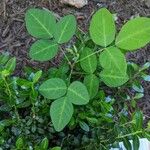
(4, 8)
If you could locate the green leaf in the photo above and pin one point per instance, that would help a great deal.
(134, 34)
(53, 88)
(84, 126)
(56, 148)
(113, 79)
(37, 76)
(89, 61)
(7, 122)
(113, 59)
(138, 118)
(145, 66)
(138, 87)
(43, 50)
(44, 144)
(138, 96)
(4, 58)
(40, 23)
(78, 94)
(102, 27)
(147, 135)
(19, 143)
(133, 103)
(1, 127)
(127, 144)
(10, 65)
(65, 29)
(136, 143)
(92, 83)
(146, 77)
(92, 120)
(24, 83)
(61, 112)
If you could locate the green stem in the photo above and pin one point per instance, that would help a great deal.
(134, 77)
(7, 88)
(10, 98)
(96, 52)
(130, 134)
(78, 73)
(65, 56)
(71, 65)
(33, 107)
(71, 72)
(131, 122)
(131, 80)
(16, 113)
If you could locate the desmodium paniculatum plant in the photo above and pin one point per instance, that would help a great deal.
(87, 101)
(104, 61)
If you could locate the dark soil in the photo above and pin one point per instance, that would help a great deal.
(15, 39)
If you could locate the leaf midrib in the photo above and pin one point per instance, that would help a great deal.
(76, 94)
(61, 112)
(104, 32)
(91, 81)
(53, 89)
(114, 76)
(40, 24)
(44, 49)
(117, 66)
(63, 31)
(89, 62)
(132, 35)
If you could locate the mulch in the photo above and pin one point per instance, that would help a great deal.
(15, 39)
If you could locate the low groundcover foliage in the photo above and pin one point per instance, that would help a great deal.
(83, 103)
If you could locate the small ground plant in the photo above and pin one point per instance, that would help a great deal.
(85, 102)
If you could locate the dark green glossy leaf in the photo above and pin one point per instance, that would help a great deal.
(138, 118)
(20, 143)
(56, 148)
(127, 144)
(44, 144)
(136, 143)
(84, 126)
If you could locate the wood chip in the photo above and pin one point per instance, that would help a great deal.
(75, 3)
